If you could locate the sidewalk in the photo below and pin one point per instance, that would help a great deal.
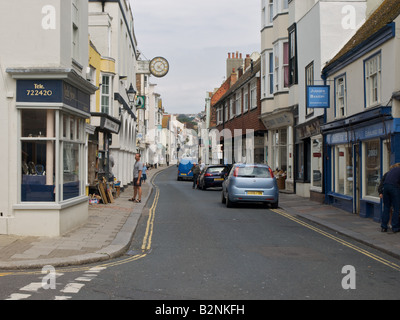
(109, 230)
(364, 230)
(107, 234)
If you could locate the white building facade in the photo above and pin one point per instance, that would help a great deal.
(111, 30)
(45, 99)
(317, 31)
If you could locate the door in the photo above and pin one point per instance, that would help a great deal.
(356, 178)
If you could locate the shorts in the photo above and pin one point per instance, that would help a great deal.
(135, 182)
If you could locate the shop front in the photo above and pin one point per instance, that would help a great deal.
(280, 153)
(50, 187)
(309, 152)
(360, 151)
(100, 161)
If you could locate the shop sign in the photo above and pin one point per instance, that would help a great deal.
(109, 125)
(52, 91)
(42, 91)
(140, 102)
(318, 97)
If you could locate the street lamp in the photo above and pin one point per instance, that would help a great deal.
(131, 94)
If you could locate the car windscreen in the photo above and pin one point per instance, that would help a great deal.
(253, 172)
(216, 170)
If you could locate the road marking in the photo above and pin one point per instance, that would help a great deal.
(32, 287)
(146, 244)
(59, 298)
(341, 241)
(18, 296)
(72, 287)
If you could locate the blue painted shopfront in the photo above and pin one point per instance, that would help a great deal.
(359, 150)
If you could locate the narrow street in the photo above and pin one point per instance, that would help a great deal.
(197, 249)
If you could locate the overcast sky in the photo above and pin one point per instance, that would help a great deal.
(195, 37)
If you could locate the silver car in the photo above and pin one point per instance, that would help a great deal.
(250, 183)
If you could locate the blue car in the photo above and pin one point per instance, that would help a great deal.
(184, 167)
(250, 183)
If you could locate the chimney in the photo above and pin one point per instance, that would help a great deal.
(234, 61)
(234, 77)
(247, 62)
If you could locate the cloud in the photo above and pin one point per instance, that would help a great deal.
(195, 36)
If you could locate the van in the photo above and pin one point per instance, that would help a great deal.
(184, 167)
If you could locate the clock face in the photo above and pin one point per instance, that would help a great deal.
(159, 67)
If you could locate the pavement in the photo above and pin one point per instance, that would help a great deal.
(109, 231)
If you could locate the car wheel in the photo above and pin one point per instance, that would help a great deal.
(274, 205)
(223, 199)
(229, 203)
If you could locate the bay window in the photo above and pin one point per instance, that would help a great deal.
(52, 145)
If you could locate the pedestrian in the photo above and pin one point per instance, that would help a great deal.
(144, 174)
(196, 171)
(137, 179)
(380, 188)
(391, 198)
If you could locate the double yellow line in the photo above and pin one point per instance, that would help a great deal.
(146, 244)
(341, 241)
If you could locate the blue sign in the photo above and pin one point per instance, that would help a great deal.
(45, 91)
(318, 97)
(52, 91)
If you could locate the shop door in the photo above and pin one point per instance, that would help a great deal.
(356, 178)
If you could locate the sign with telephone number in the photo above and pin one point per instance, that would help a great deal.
(52, 91)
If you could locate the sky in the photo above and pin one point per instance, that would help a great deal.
(195, 37)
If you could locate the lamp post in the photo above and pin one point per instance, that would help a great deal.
(131, 92)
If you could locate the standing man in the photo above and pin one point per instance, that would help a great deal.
(196, 171)
(137, 179)
(391, 197)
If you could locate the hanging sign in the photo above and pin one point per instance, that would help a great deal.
(318, 97)
(141, 102)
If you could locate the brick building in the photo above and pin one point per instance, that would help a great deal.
(236, 108)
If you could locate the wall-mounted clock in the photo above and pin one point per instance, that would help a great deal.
(159, 67)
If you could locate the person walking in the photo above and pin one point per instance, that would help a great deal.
(196, 171)
(391, 198)
(144, 174)
(137, 179)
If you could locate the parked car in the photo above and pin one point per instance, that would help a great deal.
(250, 183)
(213, 176)
(185, 164)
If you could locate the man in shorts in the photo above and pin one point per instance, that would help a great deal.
(137, 179)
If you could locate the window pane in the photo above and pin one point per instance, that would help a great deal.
(71, 187)
(317, 162)
(372, 167)
(37, 183)
(34, 123)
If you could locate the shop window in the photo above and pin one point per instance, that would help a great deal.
(371, 165)
(303, 163)
(316, 164)
(37, 155)
(279, 150)
(38, 141)
(72, 151)
(343, 170)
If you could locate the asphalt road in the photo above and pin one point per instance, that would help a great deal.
(189, 246)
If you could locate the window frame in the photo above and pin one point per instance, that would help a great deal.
(338, 108)
(368, 91)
